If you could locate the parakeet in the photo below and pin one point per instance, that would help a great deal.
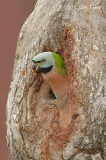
(53, 70)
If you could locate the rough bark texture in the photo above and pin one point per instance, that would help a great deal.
(40, 127)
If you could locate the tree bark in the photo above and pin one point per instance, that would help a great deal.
(40, 127)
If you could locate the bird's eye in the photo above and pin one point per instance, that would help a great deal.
(43, 60)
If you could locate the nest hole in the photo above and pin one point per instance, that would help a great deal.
(52, 96)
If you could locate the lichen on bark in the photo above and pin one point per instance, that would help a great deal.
(40, 127)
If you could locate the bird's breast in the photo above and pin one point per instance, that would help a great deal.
(57, 82)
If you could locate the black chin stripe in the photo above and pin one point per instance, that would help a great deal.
(45, 70)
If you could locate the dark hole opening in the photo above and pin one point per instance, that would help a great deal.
(52, 94)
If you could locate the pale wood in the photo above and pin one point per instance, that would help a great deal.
(38, 126)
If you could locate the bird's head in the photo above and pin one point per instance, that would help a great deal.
(42, 63)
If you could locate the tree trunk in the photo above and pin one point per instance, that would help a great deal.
(40, 127)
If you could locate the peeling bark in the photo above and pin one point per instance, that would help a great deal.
(40, 127)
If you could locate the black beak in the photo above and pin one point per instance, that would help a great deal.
(34, 66)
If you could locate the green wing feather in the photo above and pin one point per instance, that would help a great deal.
(59, 63)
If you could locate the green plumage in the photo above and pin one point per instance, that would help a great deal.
(59, 63)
